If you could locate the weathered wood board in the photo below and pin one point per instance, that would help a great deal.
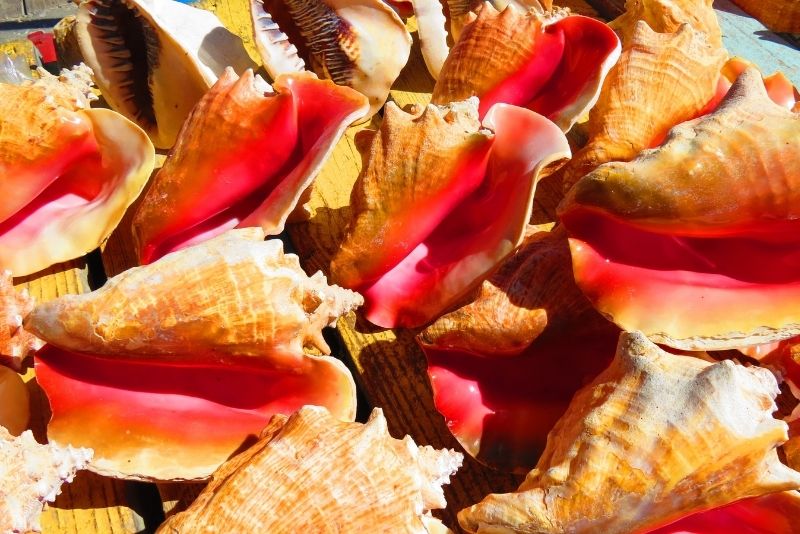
(389, 367)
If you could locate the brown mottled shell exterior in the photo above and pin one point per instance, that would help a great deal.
(666, 16)
(655, 437)
(777, 15)
(231, 296)
(530, 291)
(16, 344)
(313, 473)
(492, 47)
(32, 474)
(437, 139)
(704, 178)
(660, 80)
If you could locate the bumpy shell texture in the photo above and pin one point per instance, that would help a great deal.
(361, 44)
(67, 173)
(16, 343)
(442, 198)
(654, 438)
(554, 65)
(243, 158)
(312, 473)
(683, 216)
(666, 16)
(31, 475)
(660, 80)
(154, 59)
(168, 369)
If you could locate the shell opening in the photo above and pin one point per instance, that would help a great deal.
(320, 38)
(127, 39)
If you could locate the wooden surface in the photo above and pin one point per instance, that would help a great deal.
(389, 367)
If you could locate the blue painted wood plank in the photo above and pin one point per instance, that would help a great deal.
(746, 37)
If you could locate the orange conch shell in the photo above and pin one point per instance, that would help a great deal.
(168, 369)
(246, 301)
(14, 402)
(666, 16)
(31, 475)
(154, 59)
(654, 438)
(361, 44)
(777, 15)
(553, 64)
(660, 80)
(722, 188)
(67, 172)
(363, 480)
(16, 344)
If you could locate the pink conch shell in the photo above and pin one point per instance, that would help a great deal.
(361, 44)
(16, 344)
(777, 15)
(67, 173)
(31, 475)
(554, 66)
(504, 367)
(14, 402)
(678, 220)
(312, 473)
(183, 359)
(654, 438)
(154, 59)
(243, 158)
(660, 80)
(440, 201)
(771, 514)
(666, 16)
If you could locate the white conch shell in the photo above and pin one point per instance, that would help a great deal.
(156, 72)
(654, 438)
(361, 44)
(30, 475)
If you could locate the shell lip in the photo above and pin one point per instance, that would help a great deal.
(140, 411)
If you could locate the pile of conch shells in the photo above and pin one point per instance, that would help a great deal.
(668, 217)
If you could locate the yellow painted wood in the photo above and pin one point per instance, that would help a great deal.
(91, 503)
(22, 47)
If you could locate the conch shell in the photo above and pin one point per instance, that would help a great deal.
(16, 344)
(667, 16)
(211, 335)
(678, 220)
(440, 21)
(441, 199)
(361, 44)
(31, 475)
(654, 438)
(363, 480)
(504, 367)
(67, 173)
(243, 158)
(154, 59)
(777, 15)
(554, 65)
(660, 80)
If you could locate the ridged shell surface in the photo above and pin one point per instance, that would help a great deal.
(666, 16)
(777, 15)
(312, 473)
(654, 438)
